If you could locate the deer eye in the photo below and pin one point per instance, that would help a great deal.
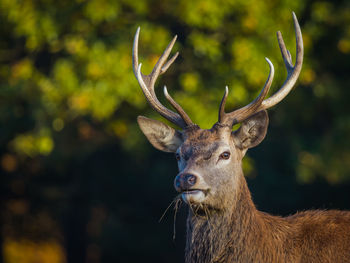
(225, 155)
(177, 156)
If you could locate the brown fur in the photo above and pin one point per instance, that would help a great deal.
(223, 224)
(244, 234)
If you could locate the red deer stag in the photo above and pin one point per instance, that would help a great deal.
(223, 224)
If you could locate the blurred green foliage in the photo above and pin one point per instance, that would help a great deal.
(68, 92)
(71, 60)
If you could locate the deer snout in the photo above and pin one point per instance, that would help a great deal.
(185, 181)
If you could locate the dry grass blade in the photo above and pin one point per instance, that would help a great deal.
(176, 207)
(166, 210)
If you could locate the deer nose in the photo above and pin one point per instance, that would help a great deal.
(184, 181)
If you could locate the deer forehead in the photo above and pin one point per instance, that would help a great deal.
(201, 142)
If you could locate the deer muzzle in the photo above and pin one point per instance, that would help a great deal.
(191, 187)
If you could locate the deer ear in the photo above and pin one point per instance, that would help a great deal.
(160, 135)
(252, 131)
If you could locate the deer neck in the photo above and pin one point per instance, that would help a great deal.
(210, 237)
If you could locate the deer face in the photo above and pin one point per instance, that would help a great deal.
(209, 161)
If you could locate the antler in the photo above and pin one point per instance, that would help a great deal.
(259, 103)
(147, 82)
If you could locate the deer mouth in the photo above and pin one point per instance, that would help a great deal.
(194, 195)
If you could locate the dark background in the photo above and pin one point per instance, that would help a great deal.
(80, 183)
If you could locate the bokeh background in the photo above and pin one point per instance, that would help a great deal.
(80, 183)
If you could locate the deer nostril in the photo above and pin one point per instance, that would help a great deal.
(184, 181)
(190, 179)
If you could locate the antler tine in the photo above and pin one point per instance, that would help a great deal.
(222, 106)
(178, 108)
(161, 61)
(135, 51)
(241, 114)
(147, 83)
(292, 71)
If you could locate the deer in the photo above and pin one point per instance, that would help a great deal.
(223, 224)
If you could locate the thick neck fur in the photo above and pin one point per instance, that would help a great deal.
(237, 234)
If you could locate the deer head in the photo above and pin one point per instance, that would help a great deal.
(210, 161)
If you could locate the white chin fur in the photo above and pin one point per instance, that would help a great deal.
(195, 196)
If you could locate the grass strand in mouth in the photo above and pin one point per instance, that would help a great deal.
(176, 208)
(172, 202)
